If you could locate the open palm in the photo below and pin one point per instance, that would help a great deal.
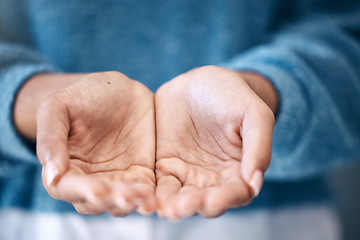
(96, 141)
(210, 127)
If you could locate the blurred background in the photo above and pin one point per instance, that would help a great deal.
(346, 184)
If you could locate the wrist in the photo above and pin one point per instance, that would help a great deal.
(263, 88)
(31, 94)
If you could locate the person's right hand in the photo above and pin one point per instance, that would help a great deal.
(96, 143)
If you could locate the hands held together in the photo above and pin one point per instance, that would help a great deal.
(200, 145)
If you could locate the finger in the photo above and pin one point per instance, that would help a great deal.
(93, 208)
(135, 196)
(257, 129)
(130, 197)
(189, 201)
(147, 203)
(167, 188)
(74, 187)
(118, 212)
(52, 139)
(96, 202)
(127, 197)
(231, 194)
(133, 187)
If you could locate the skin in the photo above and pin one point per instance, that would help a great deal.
(96, 141)
(210, 126)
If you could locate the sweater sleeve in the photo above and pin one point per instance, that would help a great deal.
(17, 64)
(314, 64)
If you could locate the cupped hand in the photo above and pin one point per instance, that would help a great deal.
(214, 137)
(96, 142)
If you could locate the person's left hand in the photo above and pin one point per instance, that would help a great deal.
(214, 137)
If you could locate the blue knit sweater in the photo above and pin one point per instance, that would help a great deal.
(309, 50)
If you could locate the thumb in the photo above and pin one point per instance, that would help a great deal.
(256, 132)
(52, 139)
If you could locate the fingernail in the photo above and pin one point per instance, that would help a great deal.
(51, 171)
(256, 182)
